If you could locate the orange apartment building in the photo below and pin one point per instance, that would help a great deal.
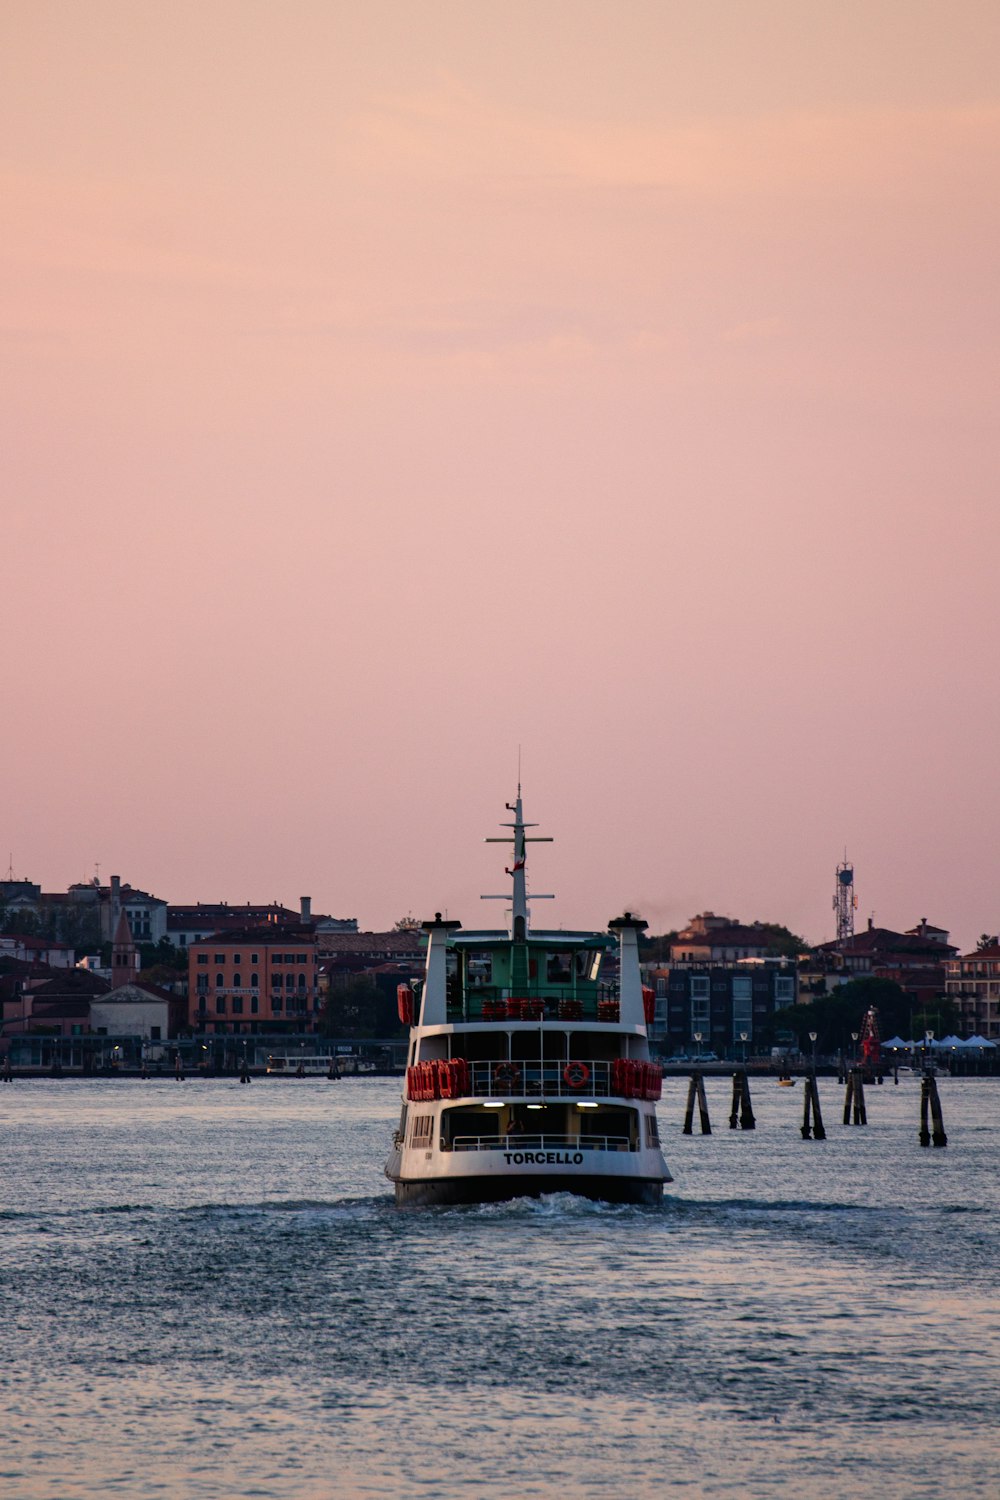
(260, 979)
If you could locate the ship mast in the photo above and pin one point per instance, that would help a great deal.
(518, 867)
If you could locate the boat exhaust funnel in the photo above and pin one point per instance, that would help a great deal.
(628, 929)
(434, 1000)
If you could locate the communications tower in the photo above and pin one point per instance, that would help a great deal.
(844, 901)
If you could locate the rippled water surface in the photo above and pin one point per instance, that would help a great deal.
(207, 1291)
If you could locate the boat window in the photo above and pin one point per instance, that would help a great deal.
(652, 1131)
(558, 968)
(479, 968)
(480, 1046)
(423, 1130)
(615, 1123)
(469, 1124)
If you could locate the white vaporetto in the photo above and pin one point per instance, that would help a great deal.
(528, 1068)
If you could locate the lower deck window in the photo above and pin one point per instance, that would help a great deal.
(423, 1130)
(652, 1131)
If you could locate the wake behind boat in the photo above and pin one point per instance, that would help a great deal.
(528, 1066)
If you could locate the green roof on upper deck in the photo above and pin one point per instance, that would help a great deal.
(550, 941)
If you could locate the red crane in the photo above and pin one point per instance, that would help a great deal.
(871, 1045)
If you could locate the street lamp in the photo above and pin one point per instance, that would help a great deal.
(928, 1039)
(812, 1037)
(743, 1039)
(697, 1037)
(854, 1049)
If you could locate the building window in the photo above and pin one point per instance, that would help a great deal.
(237, 1006)
(154, 1033)
(255, 958)
(784, 992)
(742, 1008)
(255, 981)
(220, 1005)
(220, 958)
(203, 958)
(276, 1003)
(289, 981)
(219, 981)
(700, 1003)
(202, 983)
(202, 1004)
(302, 981)
(254, 1005)
(276, 981)
(236, 958)
(237, 982)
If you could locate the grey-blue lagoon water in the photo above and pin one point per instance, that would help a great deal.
(207, 1291)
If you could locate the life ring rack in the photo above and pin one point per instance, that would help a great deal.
(576, 1075)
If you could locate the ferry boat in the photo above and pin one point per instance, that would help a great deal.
(528, 1068)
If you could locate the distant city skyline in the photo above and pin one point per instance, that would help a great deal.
(386, 387)
(543, 914)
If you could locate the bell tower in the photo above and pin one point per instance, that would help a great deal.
(124, 956)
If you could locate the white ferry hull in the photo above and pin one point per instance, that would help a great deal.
(527, 1171)
(457, 1190)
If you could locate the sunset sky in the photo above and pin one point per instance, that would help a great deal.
(388, 385)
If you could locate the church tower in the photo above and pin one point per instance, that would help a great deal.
(124, 957)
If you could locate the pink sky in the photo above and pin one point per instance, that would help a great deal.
(387, 385)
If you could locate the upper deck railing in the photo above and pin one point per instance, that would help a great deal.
(623, 1078)
(522, 1142)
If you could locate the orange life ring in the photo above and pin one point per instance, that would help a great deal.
(507, 1075)
(576, 1075)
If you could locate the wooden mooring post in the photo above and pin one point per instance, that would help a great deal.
(812, 1120)
(696, 1091)
(930, 1099)
(742, 1109)
(854, 1099)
